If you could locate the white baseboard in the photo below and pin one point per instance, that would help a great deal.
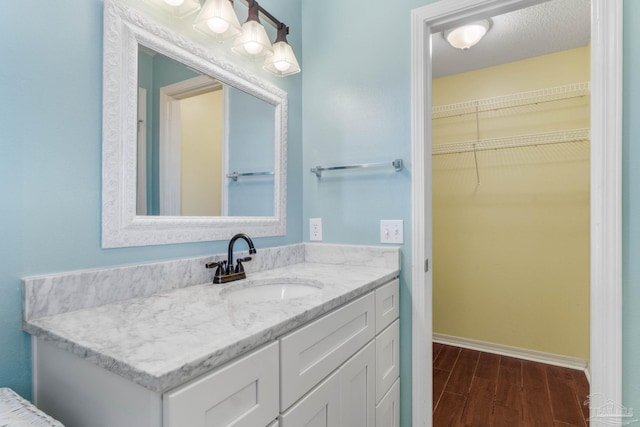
(519, 353)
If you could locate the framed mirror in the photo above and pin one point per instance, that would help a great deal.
(194, 147)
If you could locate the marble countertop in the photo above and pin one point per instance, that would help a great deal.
(166, 339)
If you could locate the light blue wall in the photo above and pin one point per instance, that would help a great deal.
(50, 157)
(631, 207)
(252, 130)
(356, 109)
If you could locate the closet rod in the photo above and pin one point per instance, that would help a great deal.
(514, 100)
(547, 138)
(397, 164)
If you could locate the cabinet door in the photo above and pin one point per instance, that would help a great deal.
(243, 393)
(387, 359)
(387, 304)
(388, 410)
(319, 408)
(314, 351)
(357, 389)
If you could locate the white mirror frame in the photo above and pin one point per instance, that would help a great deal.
(125, 28)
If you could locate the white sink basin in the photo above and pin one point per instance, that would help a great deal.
(275, 290)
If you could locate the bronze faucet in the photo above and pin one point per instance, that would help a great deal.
(225, 272)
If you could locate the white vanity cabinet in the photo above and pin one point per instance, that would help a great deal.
(312, 352)
(340, 369)
(239, 394)
(357, 369)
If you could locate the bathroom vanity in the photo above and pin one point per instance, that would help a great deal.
(311, 343)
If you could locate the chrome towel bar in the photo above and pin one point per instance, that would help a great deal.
(397, 164)
(235, 175)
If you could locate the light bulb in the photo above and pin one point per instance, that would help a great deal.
(468, 35)
(253, 48)
(218, 25)
(473, 33)
(282, 65)
(174, 2)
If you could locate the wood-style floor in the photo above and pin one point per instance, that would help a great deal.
(476, 389)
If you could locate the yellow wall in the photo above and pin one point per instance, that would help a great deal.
(511, 255)
(201, 183)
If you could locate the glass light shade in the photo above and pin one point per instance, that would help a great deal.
(283, 61)
(178, 8)
(253, 42)
(217, 19)
(467, 35)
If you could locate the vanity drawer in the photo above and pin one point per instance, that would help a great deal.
(387, 359)
(241, 394)
(314, 351)
(387, 304)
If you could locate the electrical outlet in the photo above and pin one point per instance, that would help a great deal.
(392, 231)
(315, 229)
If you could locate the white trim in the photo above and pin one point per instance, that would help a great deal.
(224, 203)
(141, 199)
(519, 353)
(34, 370)
(421, 281)
(606, 204)
(169, 152)
(170, 138)
(606, 235)
(125, 28)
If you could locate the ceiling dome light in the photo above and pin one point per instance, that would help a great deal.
(283, 61)
(467, 35)
(217, 19)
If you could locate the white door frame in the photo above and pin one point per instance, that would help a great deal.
(606, 212)
(170, 138)
(141, 198)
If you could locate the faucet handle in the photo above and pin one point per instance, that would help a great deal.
(239, 266)
(219, 266)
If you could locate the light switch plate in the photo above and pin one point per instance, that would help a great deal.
(392, 231)
(315, 229)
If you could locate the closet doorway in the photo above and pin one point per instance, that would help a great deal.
(510, 192)
(604, 192)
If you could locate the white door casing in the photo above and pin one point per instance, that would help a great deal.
(141, 200)
(606, 228)
(170, 138)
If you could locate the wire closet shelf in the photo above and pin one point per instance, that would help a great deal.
(557, 93)
(576, 135)
(535, 97)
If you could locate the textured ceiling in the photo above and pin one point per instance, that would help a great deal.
(548, 27)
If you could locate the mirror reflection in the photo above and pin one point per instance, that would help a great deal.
(194, 134)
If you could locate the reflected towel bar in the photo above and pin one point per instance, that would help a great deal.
(234, 176)
(397, 164)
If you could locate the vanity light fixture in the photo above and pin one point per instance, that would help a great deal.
(283, 61)
(468, 35)
(218, 19)
(178, 8)
(253, 42)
